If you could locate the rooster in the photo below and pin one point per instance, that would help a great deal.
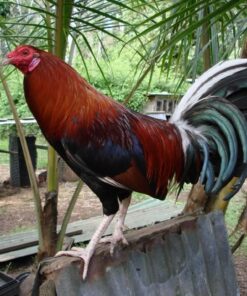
(116, 151)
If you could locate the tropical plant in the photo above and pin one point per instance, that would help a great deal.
(192, 36)
(49, 25)
(182, 36)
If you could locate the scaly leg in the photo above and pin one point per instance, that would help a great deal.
(88, 252)
(118, 235)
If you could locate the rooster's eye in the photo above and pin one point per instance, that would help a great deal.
(25, 52)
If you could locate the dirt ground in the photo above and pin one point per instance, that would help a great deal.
(17, 214)
(17, 211)
(241, 272)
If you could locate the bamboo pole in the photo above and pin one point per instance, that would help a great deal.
(68, 215)
(63, 14)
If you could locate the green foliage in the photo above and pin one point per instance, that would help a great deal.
(4, 145)
(15, 83)
(120, 72)
(4, 9)
(234, 209)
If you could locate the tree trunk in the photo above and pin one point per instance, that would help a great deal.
(196, 200)
(49, 226)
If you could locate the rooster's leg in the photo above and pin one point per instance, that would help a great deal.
(88, 252)
(118, 236)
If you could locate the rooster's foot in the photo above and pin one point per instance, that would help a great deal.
(80, 253)
(115, 239)
(87, 253)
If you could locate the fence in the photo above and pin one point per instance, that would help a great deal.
(11, 158)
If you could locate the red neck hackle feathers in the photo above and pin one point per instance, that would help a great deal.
(61, 99)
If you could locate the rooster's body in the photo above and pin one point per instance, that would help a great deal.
(101, 140)
(116, 151)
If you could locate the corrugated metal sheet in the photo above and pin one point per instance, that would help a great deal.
(187, 256)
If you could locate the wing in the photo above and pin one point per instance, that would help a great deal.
(128, 151)
(109, 152)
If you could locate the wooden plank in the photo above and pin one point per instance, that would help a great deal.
(147, 203)
(134, 220)
(25, 239)
(18, 254)
(29, 238)
(20, 245)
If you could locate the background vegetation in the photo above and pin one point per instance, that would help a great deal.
(118, 67)
(124, 48)
(132, 45)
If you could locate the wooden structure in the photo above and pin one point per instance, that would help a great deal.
(187, 255)
(150, 211)
(160, 105)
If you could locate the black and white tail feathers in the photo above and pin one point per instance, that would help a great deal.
(212, 119)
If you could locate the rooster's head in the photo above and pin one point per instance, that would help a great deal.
(25, 57)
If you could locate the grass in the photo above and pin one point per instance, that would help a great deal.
(232, 215)
(139, 197)
(234, 209)
(41, 159)
(3, 210)
(4, 145)
(21, 228)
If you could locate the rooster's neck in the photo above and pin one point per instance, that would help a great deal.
(59, 98)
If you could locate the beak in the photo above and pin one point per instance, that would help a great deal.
(5, 61)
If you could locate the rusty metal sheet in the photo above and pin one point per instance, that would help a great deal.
(185, 256)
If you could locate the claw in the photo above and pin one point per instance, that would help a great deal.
(80, 253)
(116, 239)
(87, 253)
